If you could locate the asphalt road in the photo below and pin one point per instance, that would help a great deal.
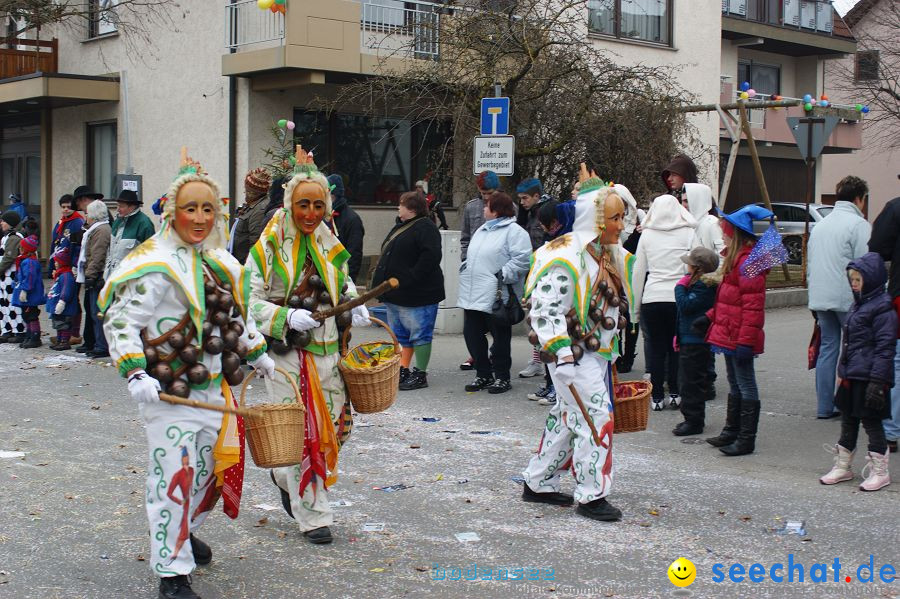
(72, 522)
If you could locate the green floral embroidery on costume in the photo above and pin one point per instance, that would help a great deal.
(595, 457)
(178, 256)
(201, 464)
(158, 568)
(159, 452)
(551, 422)
(162, 533)
(579, 475)
(174, 432)
(561, 458)
(159, 323)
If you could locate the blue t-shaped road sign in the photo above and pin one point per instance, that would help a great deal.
(495, 116)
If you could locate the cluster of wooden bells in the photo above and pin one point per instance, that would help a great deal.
(220, 309)
(316, 297)
(577, 332)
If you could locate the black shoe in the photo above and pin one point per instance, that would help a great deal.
(285, 496)
(32, 341)
(417, 379)
(202, 552)
(687, 428)
(732, 423)
(17, 339)
(830, 416)
(61, 347)
(480, 383)
(83, 349)
(468, 365)
(404, 374)
(599, 509)
(500, 386)
(319, 536)
(746, 439)
(97, 354)
(176, 587)
(892, 446)
(551, 498)
(623, 368)
(4, 338)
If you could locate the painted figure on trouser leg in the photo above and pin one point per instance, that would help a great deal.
(176, 306)
(579, 287)
(297, 267)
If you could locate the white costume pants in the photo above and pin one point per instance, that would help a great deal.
(567, 435)
(180, 488)
(311, 510)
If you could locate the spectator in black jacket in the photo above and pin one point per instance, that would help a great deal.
(411, 252)
(347, 225)
(886, 242)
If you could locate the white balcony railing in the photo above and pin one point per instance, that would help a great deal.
(810, 15)
(246, 24)
(404, 29)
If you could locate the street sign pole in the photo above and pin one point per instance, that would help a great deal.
(810, 123)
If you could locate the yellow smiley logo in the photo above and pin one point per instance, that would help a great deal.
(682, 572)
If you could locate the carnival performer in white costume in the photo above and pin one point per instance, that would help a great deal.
(298, 265)
(178, 287)
(577, 285)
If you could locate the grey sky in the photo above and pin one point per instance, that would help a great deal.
(842, 6)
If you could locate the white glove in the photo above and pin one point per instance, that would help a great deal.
(60, 306)
(301, 320)
(23, 296)
(264, 366)
(143, 387)
(360, 317)
(565, 373)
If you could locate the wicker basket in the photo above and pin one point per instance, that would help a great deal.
(275, 432)
(630, 405)
(372, 389)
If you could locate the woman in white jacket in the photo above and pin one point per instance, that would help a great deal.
(667, 234)
(699, 202)
(499, 254)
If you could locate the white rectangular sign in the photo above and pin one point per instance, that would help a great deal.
(494, 153)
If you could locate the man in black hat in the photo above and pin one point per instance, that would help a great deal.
(83, 196)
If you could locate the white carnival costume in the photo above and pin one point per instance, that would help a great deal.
(282, 263)
(570, 274)
(158, 293)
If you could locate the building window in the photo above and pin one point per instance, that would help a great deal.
(764, 78)
(378, 157)
(866, 65)
(102, 17)
(102, 157)
(644, 20)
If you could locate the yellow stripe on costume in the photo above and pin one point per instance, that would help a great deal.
(227, 451)
(327, 437)
(124, 357)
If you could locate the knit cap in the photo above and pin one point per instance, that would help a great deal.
(11, 218)
(257, 181)
(29, 244)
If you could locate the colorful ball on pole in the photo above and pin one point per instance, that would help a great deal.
(282, 123)
(744, 95)
(865, 110)
(291, 125)
(751, 92)
(808, 106)
(823, 97)
(279, 1)
(823, 103)
(265, 4)
(859, 107)
(807, 98)
(745, 86)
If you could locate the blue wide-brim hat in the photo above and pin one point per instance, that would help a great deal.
(743, 218)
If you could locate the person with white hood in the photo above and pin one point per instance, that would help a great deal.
(666, 236)
(628, 239)
(698, 200)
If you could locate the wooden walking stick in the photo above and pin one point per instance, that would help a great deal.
(584, 413)
(384, 287)
(203, 405)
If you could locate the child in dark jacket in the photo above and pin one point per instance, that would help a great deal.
(866, 370)
(28, 293)
(62, 303)
(695, 294)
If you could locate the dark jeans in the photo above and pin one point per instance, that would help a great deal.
(628, 339)
(658, 320)
(90, 315)
(693, 381)
(476, 325)
(742, 379)
(850, 432)
(90, 299)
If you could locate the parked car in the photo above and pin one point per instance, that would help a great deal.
(791, 222)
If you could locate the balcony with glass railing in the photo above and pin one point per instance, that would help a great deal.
(332, 32)
(794, 27)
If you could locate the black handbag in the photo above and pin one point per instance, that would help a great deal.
(508, 313)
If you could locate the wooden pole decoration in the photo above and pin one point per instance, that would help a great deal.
(203, 405)
(381, 289)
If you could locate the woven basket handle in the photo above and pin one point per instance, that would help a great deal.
(289, 378)
(376, 321)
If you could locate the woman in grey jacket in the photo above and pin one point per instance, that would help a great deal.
(499, 252)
